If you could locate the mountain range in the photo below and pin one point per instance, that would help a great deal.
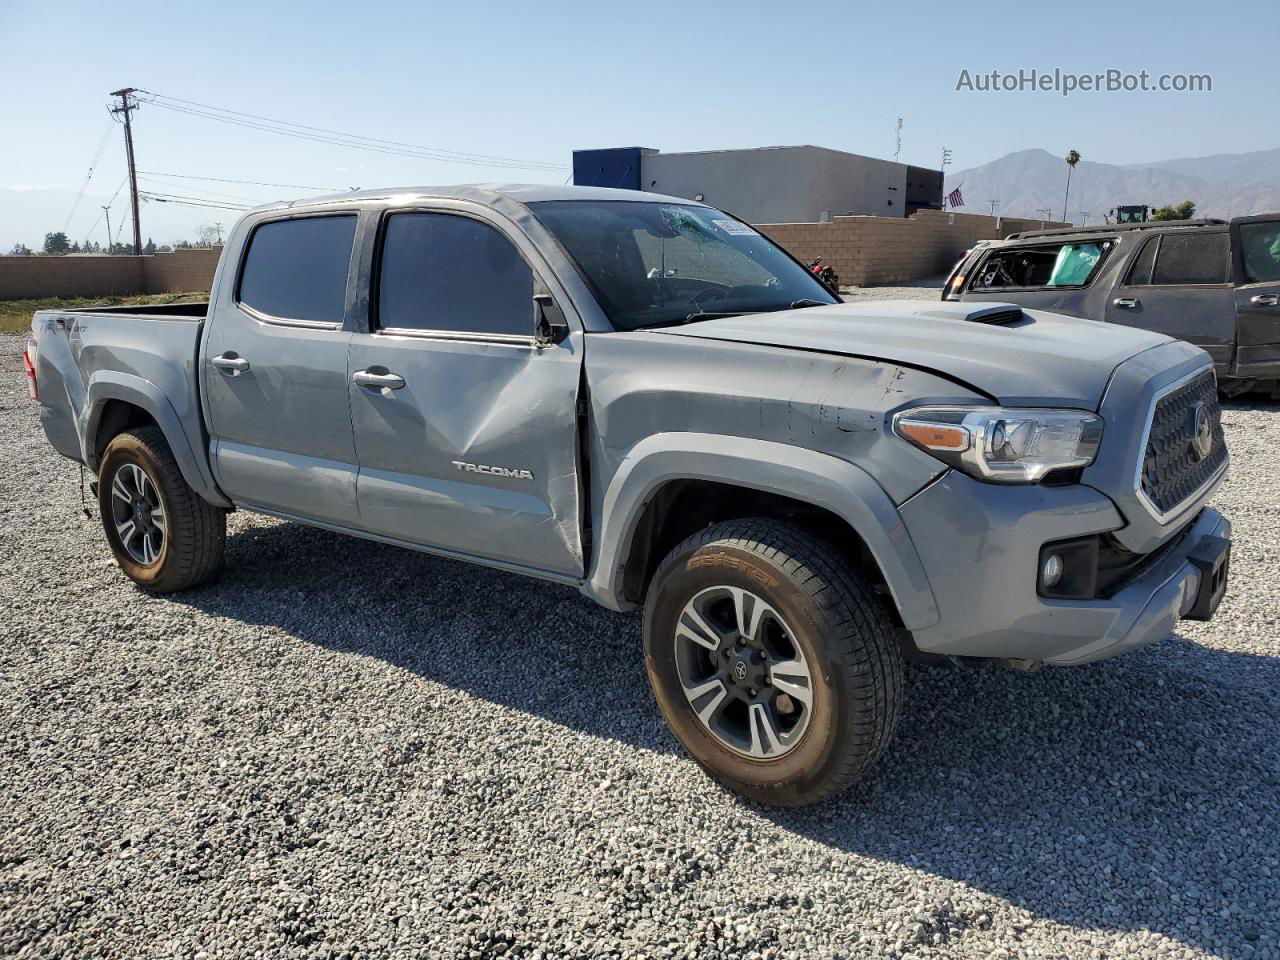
(1027, 182)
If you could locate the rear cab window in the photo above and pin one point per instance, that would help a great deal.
(1181, 259)
(1062, 265)
(296, 270)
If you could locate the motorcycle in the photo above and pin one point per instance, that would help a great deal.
(825, 273)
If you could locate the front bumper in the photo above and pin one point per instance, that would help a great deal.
(980, 547)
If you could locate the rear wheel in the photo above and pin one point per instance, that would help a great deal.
(165, 537)
(773, 662)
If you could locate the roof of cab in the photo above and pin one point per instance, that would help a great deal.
(523, 193)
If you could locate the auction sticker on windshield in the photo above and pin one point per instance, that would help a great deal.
(734, 228)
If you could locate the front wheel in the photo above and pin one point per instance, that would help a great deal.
(773, 662)
(165, 537)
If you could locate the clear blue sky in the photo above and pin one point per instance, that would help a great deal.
(535, 80)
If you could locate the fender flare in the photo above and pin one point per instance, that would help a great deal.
(815, 478)
(106, 385)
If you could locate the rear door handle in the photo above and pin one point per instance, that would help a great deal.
(1266, 300)
(1127, 303)
(231, 363)
(389, 381)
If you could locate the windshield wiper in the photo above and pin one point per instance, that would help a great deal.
(807, 302)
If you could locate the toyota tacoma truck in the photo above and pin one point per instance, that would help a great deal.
(647, 400)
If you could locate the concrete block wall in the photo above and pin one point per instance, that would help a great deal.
(183, 271)
(24, 277)
(877, 250)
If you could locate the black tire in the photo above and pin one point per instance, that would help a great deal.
(191, 545)
(826, 611)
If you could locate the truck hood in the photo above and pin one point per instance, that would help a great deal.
(1035, 359)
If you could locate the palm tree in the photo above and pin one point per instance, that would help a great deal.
(1073, 157)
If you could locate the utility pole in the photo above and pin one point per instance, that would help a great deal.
(107, 211)
(127, 106)
(219, 226)
(994, 204)
(899, 148)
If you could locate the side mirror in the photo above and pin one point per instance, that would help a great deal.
(550, 326)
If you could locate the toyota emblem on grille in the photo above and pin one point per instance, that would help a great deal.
(1202, 431)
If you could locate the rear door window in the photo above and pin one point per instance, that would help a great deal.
(452, 273)
(1048, 266)
(297, 269)
(1260, 243)
(1143, 263)
(1191, 258)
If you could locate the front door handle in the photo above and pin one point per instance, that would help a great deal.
(388, 381)
(231, 363)
(1266, 300)
(1127, 303)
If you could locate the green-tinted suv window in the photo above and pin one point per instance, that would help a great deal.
(1260, 243)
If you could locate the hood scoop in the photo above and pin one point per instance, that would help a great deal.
(998, 314)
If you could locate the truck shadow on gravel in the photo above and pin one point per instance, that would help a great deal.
(1140, 793)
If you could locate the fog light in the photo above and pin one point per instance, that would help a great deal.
(1051, 572)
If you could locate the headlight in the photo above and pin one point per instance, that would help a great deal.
(1003, 444)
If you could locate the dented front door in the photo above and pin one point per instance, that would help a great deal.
(476, 452)
(465, 426)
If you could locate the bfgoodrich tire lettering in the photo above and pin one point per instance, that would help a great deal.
(165, 537)
(840, 632)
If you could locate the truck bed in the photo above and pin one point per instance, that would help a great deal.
(88, 358)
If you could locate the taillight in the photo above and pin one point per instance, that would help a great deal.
(30, 369)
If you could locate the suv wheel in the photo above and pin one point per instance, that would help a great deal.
(773, 662)
(165, 537)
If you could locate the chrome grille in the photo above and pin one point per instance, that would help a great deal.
(1173, 469)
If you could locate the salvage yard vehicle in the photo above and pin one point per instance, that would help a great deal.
(1209, 282)
(644, 398)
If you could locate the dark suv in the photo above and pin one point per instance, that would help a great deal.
(1211, 282)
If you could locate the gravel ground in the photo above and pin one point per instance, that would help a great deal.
(347, 750)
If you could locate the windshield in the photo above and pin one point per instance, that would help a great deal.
(651, 264)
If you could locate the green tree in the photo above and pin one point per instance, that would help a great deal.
(1183, 211)
(150, 248)
(56, 243)
(1073, 157)
(20, 250)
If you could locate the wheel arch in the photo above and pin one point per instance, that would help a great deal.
(116, 401)
(671, 485)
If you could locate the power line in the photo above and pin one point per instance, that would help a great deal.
(93, 165)
(212, 193)
(252, 183)
(353, 136)
(192, 201)
(337, 138)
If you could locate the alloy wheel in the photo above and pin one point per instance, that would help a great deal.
(743, 672)
(138, 514)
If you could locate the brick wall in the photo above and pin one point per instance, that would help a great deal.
(869, 250)
(183, 271)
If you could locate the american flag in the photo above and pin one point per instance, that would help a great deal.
(955, 198)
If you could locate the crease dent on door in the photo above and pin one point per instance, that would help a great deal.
(477, 452)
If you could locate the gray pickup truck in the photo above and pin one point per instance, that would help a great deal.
(1210, 282)
(646, 399)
